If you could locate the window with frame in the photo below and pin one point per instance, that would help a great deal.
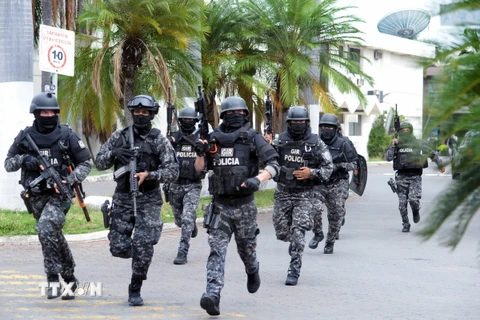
(355, 128)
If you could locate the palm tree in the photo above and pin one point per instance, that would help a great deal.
(299, 36)
(140, 42)
(458, 89)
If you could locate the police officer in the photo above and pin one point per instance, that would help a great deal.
(409, 157)
(305, 162)
(156, 163)
(185, 192)
(233, 157)
(333, 192)
(56, 143)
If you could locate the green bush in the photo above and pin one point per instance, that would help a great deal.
(443, 150)
(378, 140)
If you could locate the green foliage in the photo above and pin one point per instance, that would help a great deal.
(443, 150)
(378, 139)
(457, 97)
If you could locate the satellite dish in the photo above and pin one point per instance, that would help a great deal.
(404, 23)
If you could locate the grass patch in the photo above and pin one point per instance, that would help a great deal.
(95, 172)
(375, 159)
(14, 223)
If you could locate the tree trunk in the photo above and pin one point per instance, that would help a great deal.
(129, 73)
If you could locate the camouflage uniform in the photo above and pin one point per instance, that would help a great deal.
(162, 167)
(408, 161)
(293, 199)
(185, 193)
(334, 192)
(234, 158)
(49, 209)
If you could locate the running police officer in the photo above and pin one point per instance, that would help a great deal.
(305, 162)
(156, 163)
(235, 151)
(333, 192)
(56, 143)
(184, 194)
(409, 157)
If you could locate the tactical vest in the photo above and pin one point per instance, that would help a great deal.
(186, 155)
(147, 159)
(409, 157)
(233, 161)
(341, 152)
(49, 146)
(294, 155)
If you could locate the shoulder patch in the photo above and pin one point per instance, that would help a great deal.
(81, 144)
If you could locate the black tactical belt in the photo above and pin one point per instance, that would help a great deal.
(233, 201)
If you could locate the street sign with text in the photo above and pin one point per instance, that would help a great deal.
(57, 50)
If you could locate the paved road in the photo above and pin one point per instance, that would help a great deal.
(376, 272)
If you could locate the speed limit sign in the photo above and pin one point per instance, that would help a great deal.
(57, 50)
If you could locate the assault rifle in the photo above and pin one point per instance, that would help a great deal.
(396, 122)
(131, 168)
(200, 108)
(76, 186)
(170, 112)
(268, 114)
(49, 174)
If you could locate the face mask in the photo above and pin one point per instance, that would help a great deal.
(47, 122)
(142, 123)
(297, 130)
(405, 135)
(328, 134)
(187, 127)
(234, 120)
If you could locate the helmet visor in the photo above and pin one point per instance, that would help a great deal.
(141, 102)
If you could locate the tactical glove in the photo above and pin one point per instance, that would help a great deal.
(200, 148)
(252, 184)
(30, 163)
(122, 154)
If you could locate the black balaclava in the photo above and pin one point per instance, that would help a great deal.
(234, 121)
(187, 126)
(297, 130)
(143, 123)
(45, 124)
(327, 134)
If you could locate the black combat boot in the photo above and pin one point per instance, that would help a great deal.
(134, 298)
(416, 216)
(253, 281)
(53, 278)
(211, 304)
(195, 230)
(181, 257)
(292, 279)
(317, 238)
(73, 288)
(328, 247)
(406, 227)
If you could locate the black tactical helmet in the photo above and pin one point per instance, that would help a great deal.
(144, 102)
(329, 119)
(297, 113)
(44, 101)
(231, 104)
(405, 124)
(188, 113)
